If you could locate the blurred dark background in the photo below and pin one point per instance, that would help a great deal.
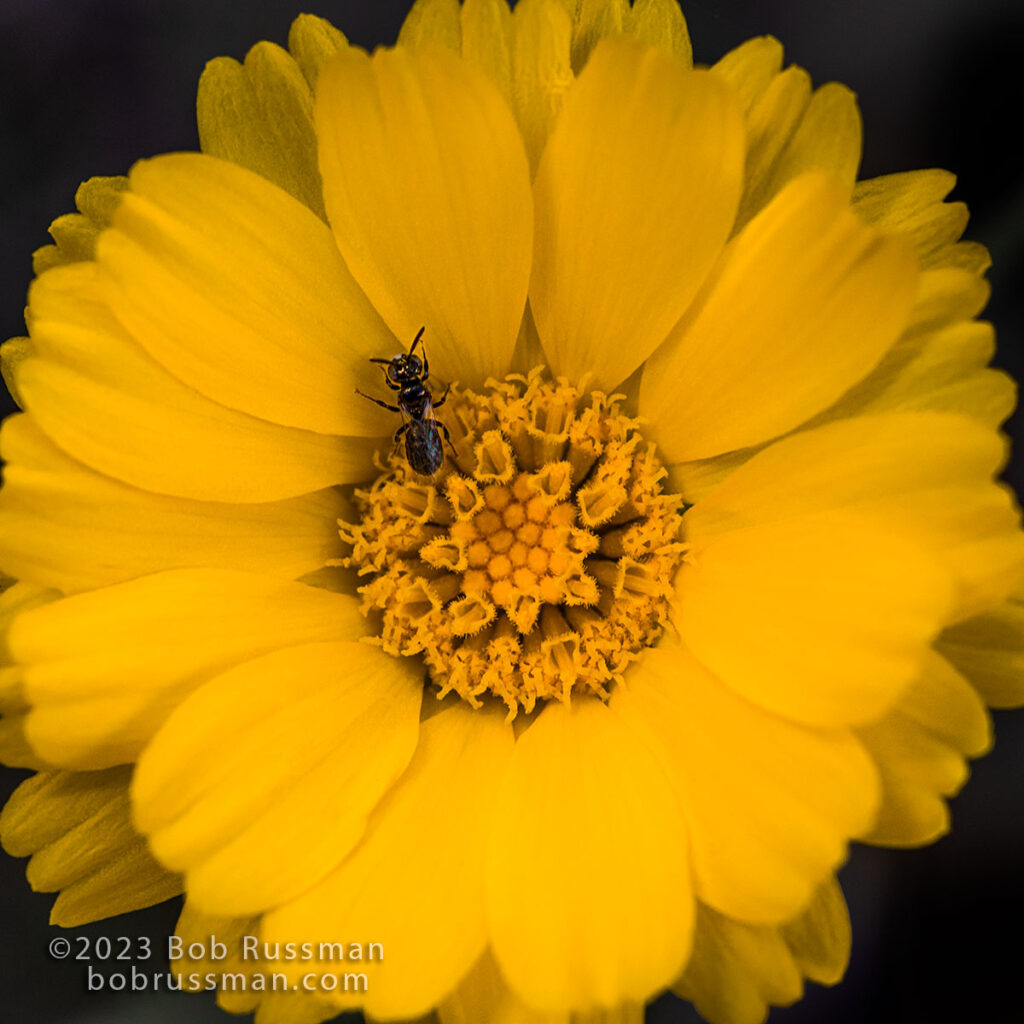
(89, 86)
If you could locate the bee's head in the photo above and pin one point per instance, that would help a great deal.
(405, 368)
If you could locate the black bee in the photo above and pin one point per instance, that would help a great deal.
(407, 374)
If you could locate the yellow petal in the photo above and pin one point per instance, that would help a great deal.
(922, 476)
(989, 651)
(431, 210)
(810, 618)
(67, 527)
(919, 747)
(103, 670)
(259, 115)
(202, 249)
(77, 826)
(541, 70)
(432, 23)
(415, 884)
(589, 897)
(765, 829)
(646, 158)
(313, 42)
(783, 317)
(318, 733)
(106, 402)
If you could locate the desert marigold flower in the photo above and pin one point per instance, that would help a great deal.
(714, 577)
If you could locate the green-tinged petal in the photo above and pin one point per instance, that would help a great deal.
(313, 42)
(589, 897)
(64, 526)
(820, 936)
(911, 203)
(738, 970)
(922, 477)
(77, 827)
(781, 318)
(484, 995)
(13, 353)
(238, 290)
(103, 670)
(828, 138)
(541, 70)
(770, 124)
(750, 68)
(920, 748)
(75, 234)
(415, 883)
(593, 21)
(259, 115)
(487, 40)
(989, 651)
(197, 957)
(432, 23)
(251, 830)
(765, 829)
(943, 369)
(646, 158)
(431, 210)
(660, 23)
(105, 401)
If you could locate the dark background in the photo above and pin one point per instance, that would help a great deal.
(89, 86)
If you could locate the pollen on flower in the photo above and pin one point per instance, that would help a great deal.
(538, 563)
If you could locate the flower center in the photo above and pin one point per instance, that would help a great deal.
(538, 562)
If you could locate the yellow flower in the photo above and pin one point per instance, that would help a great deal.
(714, 577)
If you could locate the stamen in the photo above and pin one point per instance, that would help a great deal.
(539, 564)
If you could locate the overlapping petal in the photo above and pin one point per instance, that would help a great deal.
(766, 828)
(67, 527)
(589, 891)
(779, 333)
(646, 158)
(415, 883)
(89, 378)
(318, 733)
(427, 192)
(237, 289)
(102, 670)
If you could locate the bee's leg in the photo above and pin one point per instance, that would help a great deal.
(399, 434)
(377, 401)
(386, 364)
(447, 436)
(440, 401)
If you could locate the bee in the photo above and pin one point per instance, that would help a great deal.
(407, 374)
